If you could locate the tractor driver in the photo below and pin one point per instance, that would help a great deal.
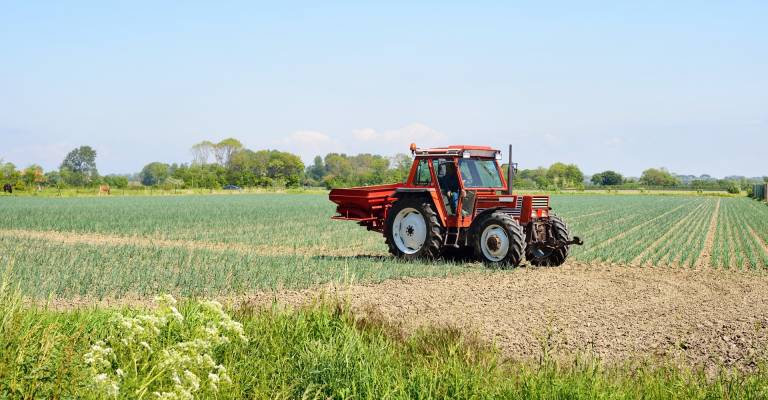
(449, 184)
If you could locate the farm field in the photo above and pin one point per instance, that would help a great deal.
(666, 281)
(225, 245)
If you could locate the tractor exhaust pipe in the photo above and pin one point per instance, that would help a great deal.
(510, 172)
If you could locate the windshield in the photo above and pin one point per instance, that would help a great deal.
(477, 173)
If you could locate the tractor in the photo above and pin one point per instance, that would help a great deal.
(456, 200)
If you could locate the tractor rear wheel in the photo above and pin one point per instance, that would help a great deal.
(498, 240)
(545, 256)
(412, 229)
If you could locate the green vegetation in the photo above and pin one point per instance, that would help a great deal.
(79, 167)
(137, 246)
(228, 162)
(203, 246)
(113, 247)
(321, 352)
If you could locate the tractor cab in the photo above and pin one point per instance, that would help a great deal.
(455, 175)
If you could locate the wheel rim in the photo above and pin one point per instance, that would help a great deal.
(494, 242)
(409, 231)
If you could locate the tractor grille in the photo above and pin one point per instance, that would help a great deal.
(513, 211)
(540, 202)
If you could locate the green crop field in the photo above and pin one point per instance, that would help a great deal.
(215, 245)
(77, 250)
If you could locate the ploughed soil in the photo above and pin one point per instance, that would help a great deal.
(700, 317)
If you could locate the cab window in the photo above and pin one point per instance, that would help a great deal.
(478, 173)
(422, 177)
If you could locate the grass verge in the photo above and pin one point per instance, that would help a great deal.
(323, 351)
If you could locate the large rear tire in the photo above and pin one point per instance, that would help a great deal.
(548, 257)
(413, 230)
(498, 240)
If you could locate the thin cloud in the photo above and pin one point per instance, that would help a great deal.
(308, 144)
(413, 133)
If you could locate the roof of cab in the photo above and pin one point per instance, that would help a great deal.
(455, 149)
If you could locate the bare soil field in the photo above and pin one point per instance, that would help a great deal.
(618, 314)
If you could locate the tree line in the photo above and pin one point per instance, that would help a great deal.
(228, 162)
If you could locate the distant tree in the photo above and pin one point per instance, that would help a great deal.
(596, 179)
(116, 181)
(765, 179)
(607, 178)
(537, 176)
(564, 175)
(224, 150)
(316, 171)
(79, 166)
(33, 175)
(153, 173)
(53, 178)
(8, 172)
(338, 170)
(733, 188)
(287, 166)
(658, 177)
(400, 166)
(201, 152)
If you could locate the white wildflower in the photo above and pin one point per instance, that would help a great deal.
(165, 300)
(192, 380)
(177, 315)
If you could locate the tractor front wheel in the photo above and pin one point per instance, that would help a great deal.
(413, 230)
(498, 240)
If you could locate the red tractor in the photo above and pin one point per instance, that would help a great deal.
(457, 198)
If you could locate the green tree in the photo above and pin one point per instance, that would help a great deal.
(201, 152)
(8, 172)
(53, 178)
(316, 171)
(658, 177)
(400, 167)
(607, 178)
(733, 188)
(116, 181)
(33, 175)
(153, 173)
(79, 166)
(224, 150)
(536, 176)
(338, 170)
(564, 175)
(285, 166)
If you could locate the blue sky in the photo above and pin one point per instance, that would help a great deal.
(605, 85)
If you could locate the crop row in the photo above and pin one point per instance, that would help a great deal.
(737, 241)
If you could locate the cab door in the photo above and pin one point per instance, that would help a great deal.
(423, 178)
